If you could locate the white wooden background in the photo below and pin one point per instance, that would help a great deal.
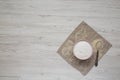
(32, 30)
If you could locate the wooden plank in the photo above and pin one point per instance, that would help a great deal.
(30, 30)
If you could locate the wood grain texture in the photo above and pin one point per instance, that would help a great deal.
(32, 30)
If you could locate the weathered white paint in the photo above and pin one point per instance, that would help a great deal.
(31, 31)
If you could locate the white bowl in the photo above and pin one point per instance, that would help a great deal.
(82, 50)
